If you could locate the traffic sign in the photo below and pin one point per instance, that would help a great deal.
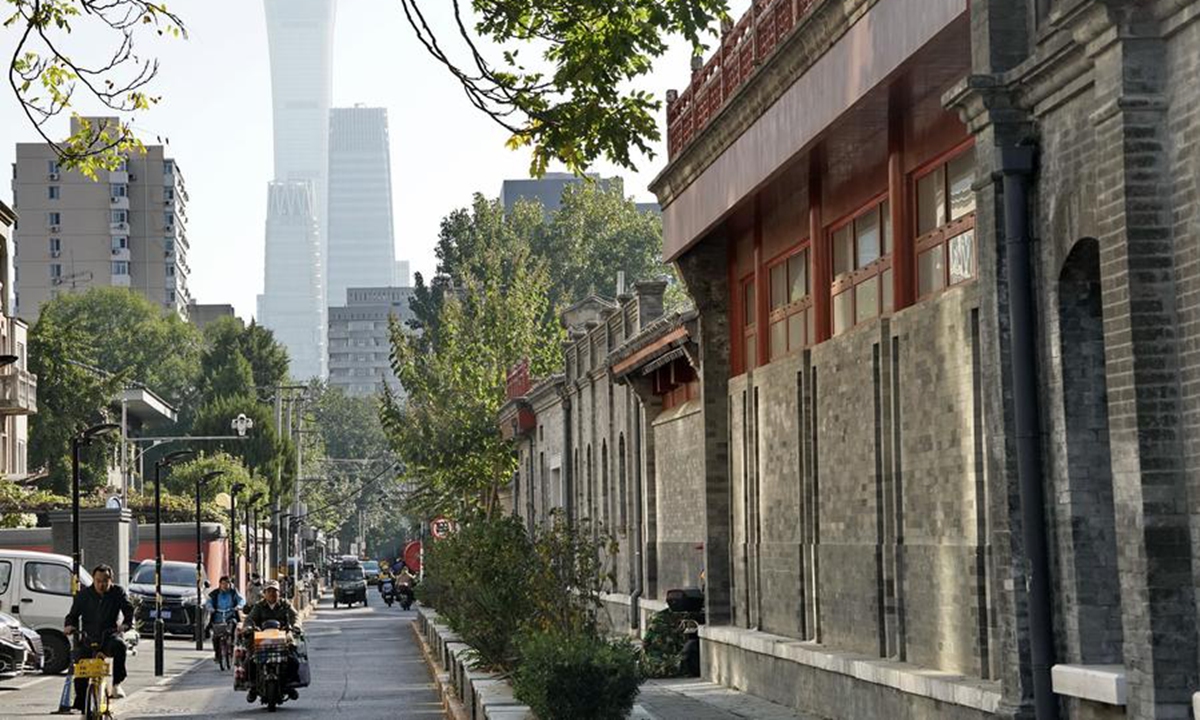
(441, 528)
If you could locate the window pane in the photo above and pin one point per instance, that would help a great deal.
(867, 228)
(889, 302)
(796, 330)
(843, 251)
(931, 201)
(962, 257)
(885, 211)
(748, 305)
(797, 268)
(866, 300)
(930, 271)
(962, 173)
(779, 287)
(47, 578)
(5, 574)
(778, 339)
(843, 317)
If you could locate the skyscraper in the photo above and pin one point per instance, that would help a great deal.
(300, 33)
(361, 242)
(129, 229)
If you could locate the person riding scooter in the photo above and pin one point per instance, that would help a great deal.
(404, 584)
(223, 605)
(273, 608)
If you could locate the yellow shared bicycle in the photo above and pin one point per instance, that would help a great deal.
(96, 670)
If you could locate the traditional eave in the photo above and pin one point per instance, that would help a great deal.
(660, 338)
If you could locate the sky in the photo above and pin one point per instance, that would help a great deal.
(215, 117)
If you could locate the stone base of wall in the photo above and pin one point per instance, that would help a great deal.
(615, 614)
(839, 686)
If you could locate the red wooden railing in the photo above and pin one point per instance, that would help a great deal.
(518, 381)
(743, 49)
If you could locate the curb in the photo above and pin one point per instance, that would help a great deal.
(450, 702)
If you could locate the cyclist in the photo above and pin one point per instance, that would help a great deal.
(96, 610)
(223, 604)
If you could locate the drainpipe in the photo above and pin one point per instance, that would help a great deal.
(567, 488)
(1016, 165)
(635, 615)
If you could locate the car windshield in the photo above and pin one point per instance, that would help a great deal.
(350, 574)
(171, 575)
(371, 566)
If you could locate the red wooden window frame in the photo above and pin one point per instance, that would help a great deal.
(878, 270)
(787, 308)
(940, 238)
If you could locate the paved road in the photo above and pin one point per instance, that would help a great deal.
(366, 664)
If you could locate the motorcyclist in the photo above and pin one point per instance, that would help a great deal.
(96, 610)
(223, 603)
(272, 607)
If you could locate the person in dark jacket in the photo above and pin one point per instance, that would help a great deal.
(97, 611)
(273, 607)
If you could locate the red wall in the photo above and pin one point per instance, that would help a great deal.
(216, 555)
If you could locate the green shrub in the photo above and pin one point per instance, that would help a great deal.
(662, 645)
(576, 677)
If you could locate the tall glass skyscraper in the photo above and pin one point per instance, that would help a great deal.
(300, 33)
(361, 240)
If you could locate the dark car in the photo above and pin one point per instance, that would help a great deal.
(180, 602)
(349, 585)
(13, 647)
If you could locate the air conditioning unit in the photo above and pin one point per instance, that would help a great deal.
(132, 178)
(115, 199)
(53, 228)
(117, 251)
(53, 176)
(55, 253)
(56, 281)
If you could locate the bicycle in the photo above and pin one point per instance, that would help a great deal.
(224, 625)
(96, 670)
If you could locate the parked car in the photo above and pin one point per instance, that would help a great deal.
(12, 647)
(35, 587)
(372, 570)
(180, 602)
(34, 658)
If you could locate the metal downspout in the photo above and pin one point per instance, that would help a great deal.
(635, 615)
(1016, 165)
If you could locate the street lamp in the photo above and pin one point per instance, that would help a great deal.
(165, 461)
(234, 565)
(251, 511)
(200, 483)
(80, 440)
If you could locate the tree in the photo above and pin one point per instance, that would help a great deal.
(575, 104)
(45, 74)
(445, 430)
(240, 360)
(182, 478)
(264, 453)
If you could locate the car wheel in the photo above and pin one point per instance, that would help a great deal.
(56, 653)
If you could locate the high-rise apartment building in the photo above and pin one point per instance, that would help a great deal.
(300, 33)
(361, 241)
(18, 386)
(359, 340)
(129, 229)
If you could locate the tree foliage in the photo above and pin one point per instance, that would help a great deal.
(562, 82)
(454, 372)
(241, 360)
(48, 71)
(264, 453)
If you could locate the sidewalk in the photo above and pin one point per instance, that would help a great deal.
(692, 699)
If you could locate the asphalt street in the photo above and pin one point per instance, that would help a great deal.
(366, 664)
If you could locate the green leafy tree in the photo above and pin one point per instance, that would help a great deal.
(562, 79)
(264, 453)
(444, 431)
(240, 360)
(49, 73)
(182, 479)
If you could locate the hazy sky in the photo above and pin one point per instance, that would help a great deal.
(216, 114)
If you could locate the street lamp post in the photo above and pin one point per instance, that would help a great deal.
(81, 440)
(199, 629)
(252, 530)
(159, 629)
(234, 565)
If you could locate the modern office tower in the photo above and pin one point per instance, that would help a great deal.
(129, 229)
(361, 242)
(359, 340)
(291, 299)
(300, 33)
(403, 274)
(548, 189)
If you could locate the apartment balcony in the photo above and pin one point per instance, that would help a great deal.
(118, 177)
(18, 392)
(122, 281)
(118, 202)
(118, 228)
(120, 254)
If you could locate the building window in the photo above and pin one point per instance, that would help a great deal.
(946, 224)
(749, 326)
(119, 216)
(54, 192)
(54, 219)
(120, 267)
(862, 267)
(53, 167)
(120, 242)
(55, 271)
(55, 247)
(168, 167)
(171, 296)
(792, 320)
(118, 190)
(168, 194)
(123, 166)
(170, 269)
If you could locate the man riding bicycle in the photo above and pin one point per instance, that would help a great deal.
(223, 605)
(95, 610)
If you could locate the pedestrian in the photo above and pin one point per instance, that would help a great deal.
(96, 611)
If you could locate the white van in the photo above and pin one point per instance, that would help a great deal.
(35, 587)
